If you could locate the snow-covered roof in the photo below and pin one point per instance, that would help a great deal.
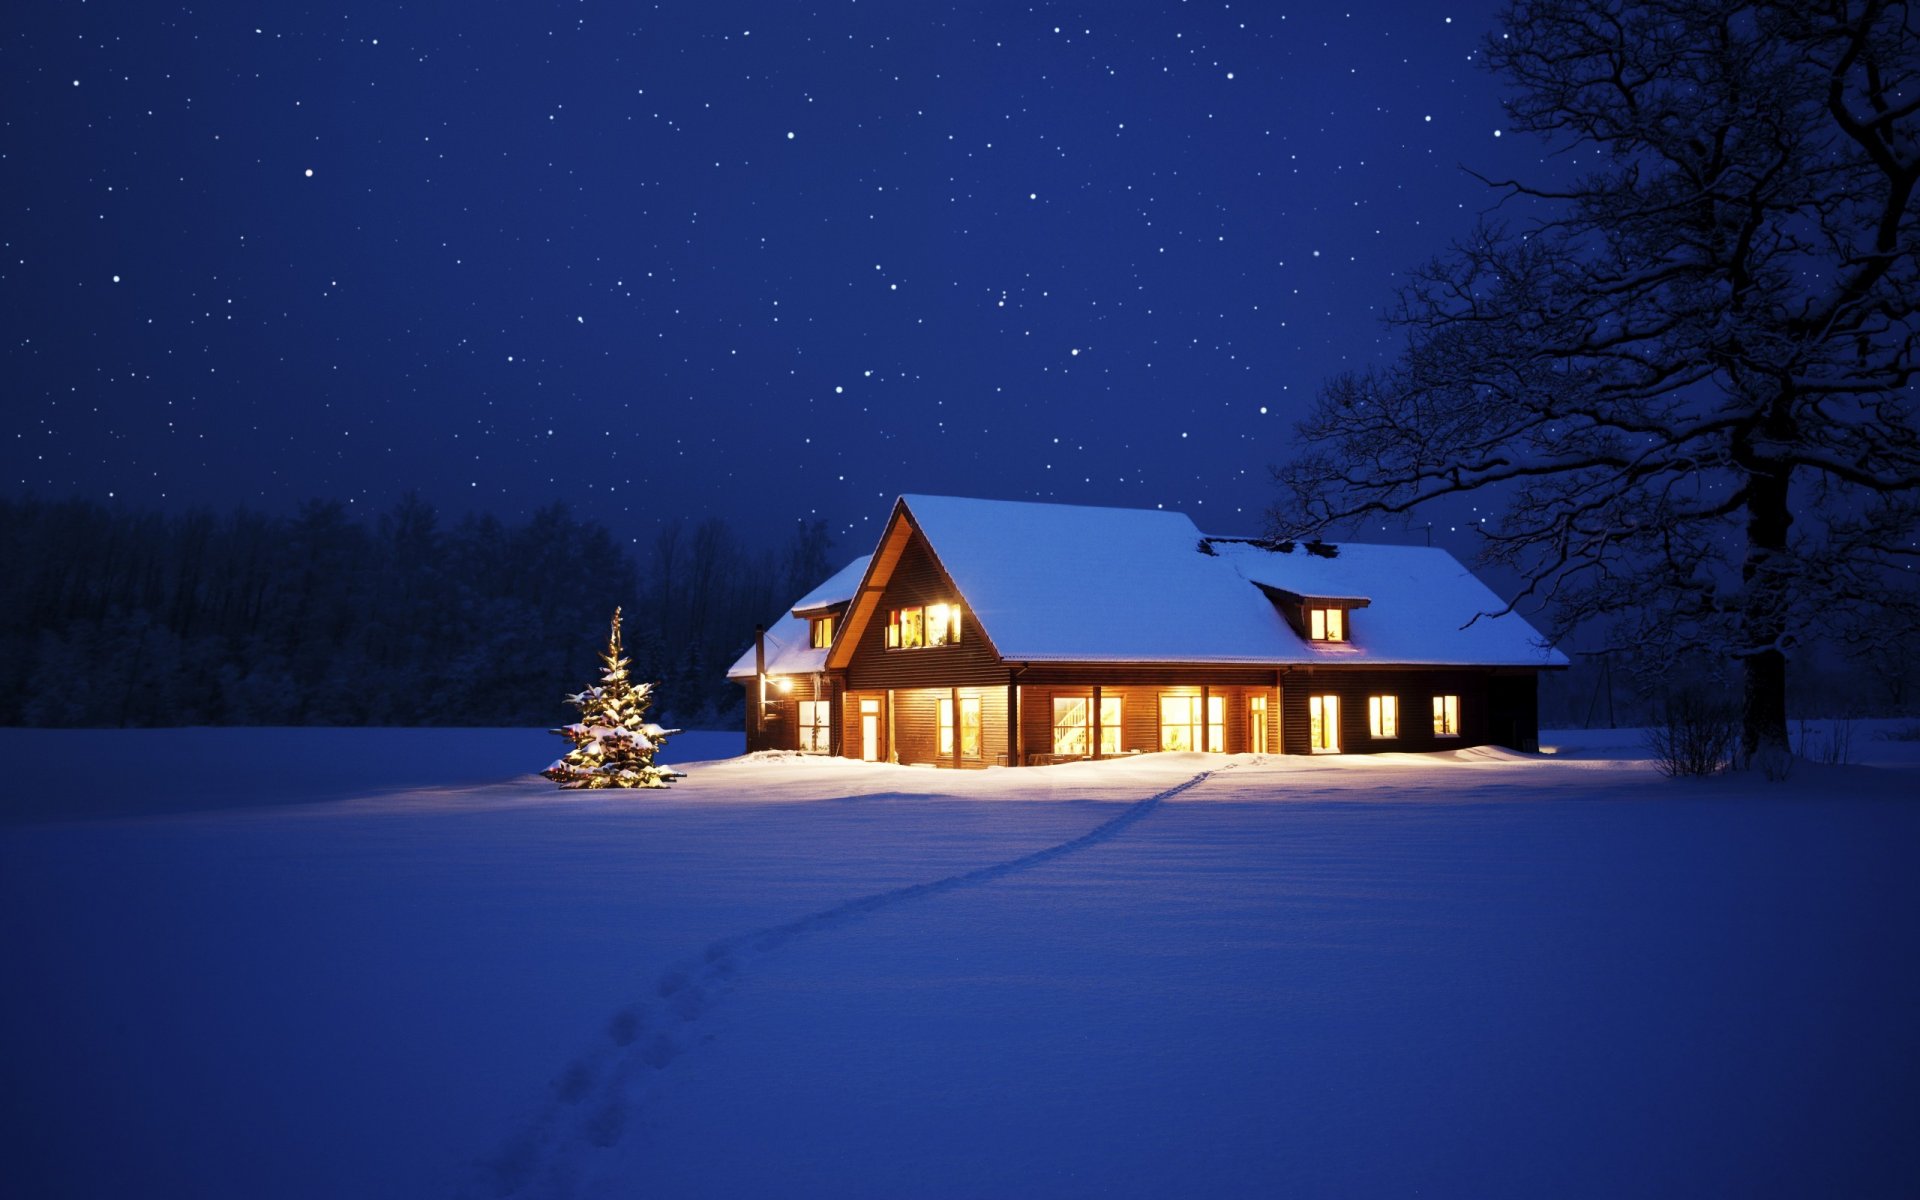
(1422, 604)
(789, 639)
(1053, 582)
(837, 589)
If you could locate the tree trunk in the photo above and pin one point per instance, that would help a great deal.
(1763, 716)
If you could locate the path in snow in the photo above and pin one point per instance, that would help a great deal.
(593, 1100)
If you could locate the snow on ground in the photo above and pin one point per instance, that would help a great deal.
(1476, 973)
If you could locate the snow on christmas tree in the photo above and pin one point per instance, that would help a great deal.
(613, 742)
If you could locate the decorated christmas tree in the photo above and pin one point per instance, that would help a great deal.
(613, 742)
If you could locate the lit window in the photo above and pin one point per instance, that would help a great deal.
(1256, 724)
(816, 727)
(1327, 624)
(1180, 727)
(1070, 726)
(969, 726)
(1071, 732)
(923, 625)
(1383, 716)
(1323, 724)
(822, 629)
(1446, 716)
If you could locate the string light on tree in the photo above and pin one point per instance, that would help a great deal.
(613, 743)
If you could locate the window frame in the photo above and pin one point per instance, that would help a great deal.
(1383, 705)
(1446, 715)
(913, 618)
(819, 731)
(820, 632)
(946, 728)
(1214, 732)
(1327, 623)
(1258, 723)
(1110, 732)
(1323, 714)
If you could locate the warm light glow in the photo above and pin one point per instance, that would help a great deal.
(816, 727)
(1383, 716)
(1323, 724)
(821, 632)
(1072, 728)
(1180, 727)
(969, 726)
(923, 625)
(1446, 716)
(1327, 624)
(1256, 724)
(783, 685)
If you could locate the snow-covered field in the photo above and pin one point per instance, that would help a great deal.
(1477, 974)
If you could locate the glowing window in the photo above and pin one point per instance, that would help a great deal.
(1180, 727)
(1327, 624)
(816, 727)
(923, 625)
(969, 726)
(1256, 724)
(1446, 716)
(1323, 724)
(1071, 732)
(1070, 726)
(822, 631)
(1383, 716)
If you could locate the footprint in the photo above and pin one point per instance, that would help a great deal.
(626, 1025)
(574, 1083)
(606, 1125)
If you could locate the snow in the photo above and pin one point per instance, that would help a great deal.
(1423, 606)
(1470, 973)
(1055, 582)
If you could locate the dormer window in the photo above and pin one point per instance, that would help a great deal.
(821, 632)
(923, 625)
(1327, 624)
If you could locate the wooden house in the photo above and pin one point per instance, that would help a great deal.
(983, 632)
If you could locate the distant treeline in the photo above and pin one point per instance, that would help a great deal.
(117, 618)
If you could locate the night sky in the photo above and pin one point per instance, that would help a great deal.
(763, 261)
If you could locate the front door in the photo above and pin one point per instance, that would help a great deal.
(870, 730)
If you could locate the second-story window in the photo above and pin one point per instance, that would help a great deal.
(1327, 624)
(923, 625)
(822, 629)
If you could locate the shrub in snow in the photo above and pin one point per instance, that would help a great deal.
(613, 743)
(1832, 745)
(1694, 736)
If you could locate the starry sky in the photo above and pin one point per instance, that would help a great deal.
(767, 261)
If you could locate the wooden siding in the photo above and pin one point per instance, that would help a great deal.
(1140, 714)
(1497, 707)
(779, 729)
(915, 728)
(1415, 690)
(1513, 710)
(918, 579)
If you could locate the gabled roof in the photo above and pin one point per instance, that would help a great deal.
(1053, 582)
(838, 588)
(1422, 604)
(789, 639)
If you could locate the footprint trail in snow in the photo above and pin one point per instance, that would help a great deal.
(593, 1099)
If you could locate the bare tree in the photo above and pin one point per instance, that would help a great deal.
(1686, 379)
